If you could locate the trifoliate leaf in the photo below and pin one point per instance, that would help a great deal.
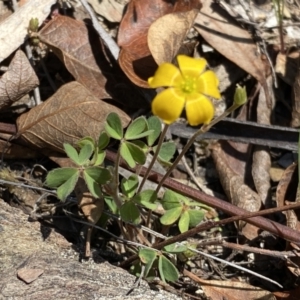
(147, 199)
(196, 216)
(155, 125)
(171, 200)
(132, 154)
(66, 188)
(175, 248)
(98, 174)
(130, 185)
(138, 126)
(92, 185)
(72, 153)
(86, 140)
(184, 222)
(57, 177)
(171, 216)
(166, 151)
(167, 270)
(130, 213)
(85, 154)
(147, 257)
(113, 126)
(99, 158)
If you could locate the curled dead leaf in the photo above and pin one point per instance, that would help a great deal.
(80, 49)
(135, 57)
(72, 113)
(166, 35)
(227, 37)
(17, 81)
(230, 158)
(231, 290)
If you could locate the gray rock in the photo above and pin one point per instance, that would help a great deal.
(62, 275)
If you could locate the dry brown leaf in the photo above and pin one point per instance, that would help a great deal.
(288, 192)
(166, 35)
(230, 290)
(261, 154)
(230, 159)
(91, 207)
(135, 57)
(14, 151)
(80, 49)
(73, 112)
(296, 99)
(287, 66)
(228, 38)
(109, 9)
(18, 80)
(287, 186)
(288, 295)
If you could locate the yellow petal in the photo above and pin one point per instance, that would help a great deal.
(207, 84)
(191, 67)
(168, 105)
(199, 109)
(167, 75)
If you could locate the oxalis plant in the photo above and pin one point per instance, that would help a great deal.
(188, 88)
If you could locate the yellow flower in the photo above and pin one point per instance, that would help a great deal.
(187, 87)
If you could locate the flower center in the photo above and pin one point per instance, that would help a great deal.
(188, 85)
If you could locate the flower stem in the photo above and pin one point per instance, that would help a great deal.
(160, 141)
(202, 130)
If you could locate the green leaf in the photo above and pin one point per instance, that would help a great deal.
(175, 248)
(196, 216)
(141, 145)
(167, 270)
(171, 216)
(138, 126)
(86, 140)
(130, 213)
(154, 124)
(72, 153)
(132, 154)
(166, 151)
(171, 200)
(147, 257)
(111, 204)
(92, 185)
(184, 222)
(66, 188)
(94, 177)
(57, 177)
(100, 158)
(147, 199)
(103, 140)
(98, 174)
(130, 185)
(113, 126)
(85, 154)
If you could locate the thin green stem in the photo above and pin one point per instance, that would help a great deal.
(202, 130)
(115, 183)
(149, 168)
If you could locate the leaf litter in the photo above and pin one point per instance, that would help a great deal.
(149, 33)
